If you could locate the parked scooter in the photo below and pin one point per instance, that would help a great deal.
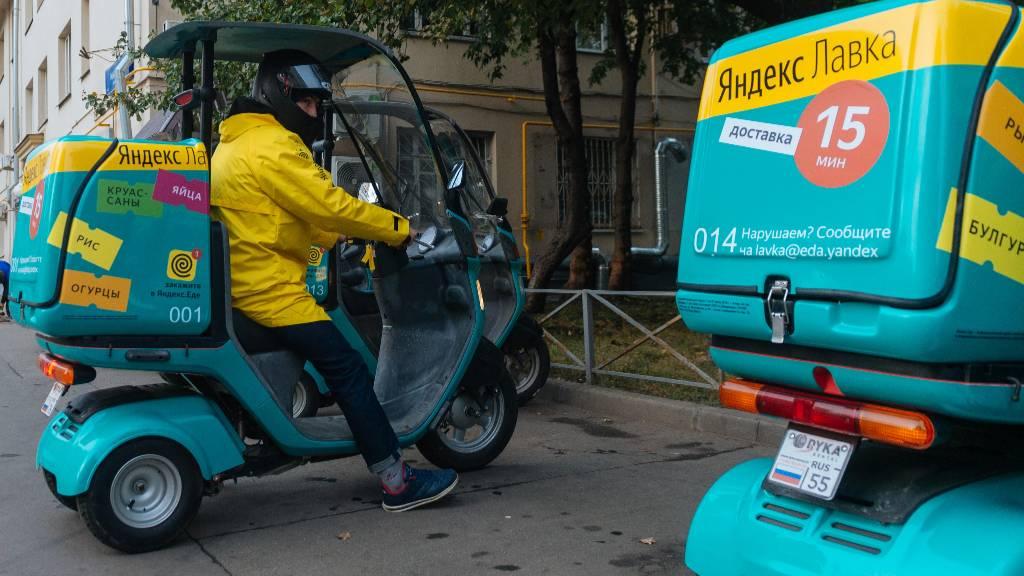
(518, 335)
(150, 290)
(858, 281)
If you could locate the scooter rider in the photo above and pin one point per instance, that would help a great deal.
(275, 202)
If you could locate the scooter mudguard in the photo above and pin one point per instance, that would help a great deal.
(741, 529)
(72, 452)
(523, 332)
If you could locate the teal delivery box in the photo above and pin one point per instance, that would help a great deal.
(113, 238)
(855, 206)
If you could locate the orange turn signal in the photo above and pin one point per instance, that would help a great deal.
(65, 372)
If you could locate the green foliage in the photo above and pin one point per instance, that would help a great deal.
(134, 99)
(234, 79)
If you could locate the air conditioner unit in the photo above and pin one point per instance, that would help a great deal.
(171, 24)
(7, 161)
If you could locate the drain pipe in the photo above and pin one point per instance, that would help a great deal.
(15, 86)
(124, 121)
(678, 151)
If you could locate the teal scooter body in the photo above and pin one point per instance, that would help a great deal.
(740, 528)
(72, 452)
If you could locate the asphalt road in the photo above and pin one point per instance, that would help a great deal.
(573, 494)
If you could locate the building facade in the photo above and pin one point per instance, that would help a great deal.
(53, 52)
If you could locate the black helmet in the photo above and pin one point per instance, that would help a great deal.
(286, 76)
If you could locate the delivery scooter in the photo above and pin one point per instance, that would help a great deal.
(861, 279)
(119, 266)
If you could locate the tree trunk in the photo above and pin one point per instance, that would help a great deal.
(557, 47)
(627, 58)
(581, 270)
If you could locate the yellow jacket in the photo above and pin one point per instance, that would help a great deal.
(275, 202)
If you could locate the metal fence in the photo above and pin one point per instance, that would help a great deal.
(590, 365)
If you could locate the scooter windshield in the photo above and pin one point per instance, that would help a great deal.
(385, 158)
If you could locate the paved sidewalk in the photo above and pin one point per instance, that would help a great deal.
(674, 414)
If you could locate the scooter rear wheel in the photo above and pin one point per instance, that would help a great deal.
(477, 427)
(306, 400)
(142, 496)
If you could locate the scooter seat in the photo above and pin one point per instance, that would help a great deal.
(254, 338)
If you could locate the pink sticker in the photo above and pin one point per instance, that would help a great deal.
(176, 190)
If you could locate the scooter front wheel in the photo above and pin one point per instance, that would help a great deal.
(476, 429)
(529, 365)
(143, 495)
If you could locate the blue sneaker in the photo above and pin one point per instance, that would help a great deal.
(421, 487)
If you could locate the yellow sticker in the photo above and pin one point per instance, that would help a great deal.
(181, 265)
(103, 292)
(94, 245)
(35, 170)
(987, 235)
(315, 256)
(1002, 123)
(910, 37)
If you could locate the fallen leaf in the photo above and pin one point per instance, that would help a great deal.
(344, 536)
(648, 541)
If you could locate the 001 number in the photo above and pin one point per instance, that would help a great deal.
(184, 314)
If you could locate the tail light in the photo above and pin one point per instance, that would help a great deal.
(880, 423)
(65, 372)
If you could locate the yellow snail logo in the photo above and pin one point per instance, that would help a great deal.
(181, 265)
(315, 256)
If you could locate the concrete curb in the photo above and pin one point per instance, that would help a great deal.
(677, 414)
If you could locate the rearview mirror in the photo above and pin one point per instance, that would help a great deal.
(455, 182)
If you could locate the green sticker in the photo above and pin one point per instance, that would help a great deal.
(121, 197)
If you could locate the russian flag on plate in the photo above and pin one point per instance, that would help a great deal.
(786, 476)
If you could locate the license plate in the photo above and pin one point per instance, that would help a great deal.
(812, 463)
(50, 404)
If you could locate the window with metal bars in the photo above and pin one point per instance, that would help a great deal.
(600, 153)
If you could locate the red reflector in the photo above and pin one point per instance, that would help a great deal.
(184, 99)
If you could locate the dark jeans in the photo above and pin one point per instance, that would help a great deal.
(322, 344)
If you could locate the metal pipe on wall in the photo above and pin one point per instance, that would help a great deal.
(678, 151)
(124, 120)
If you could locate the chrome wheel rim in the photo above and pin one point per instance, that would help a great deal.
(299, 400)
(145, 491)
(472, 424)
(524, 366)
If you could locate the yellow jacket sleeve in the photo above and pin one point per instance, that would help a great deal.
(324, 238)
(295, 182)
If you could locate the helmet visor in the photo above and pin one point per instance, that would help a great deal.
(304, 79)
